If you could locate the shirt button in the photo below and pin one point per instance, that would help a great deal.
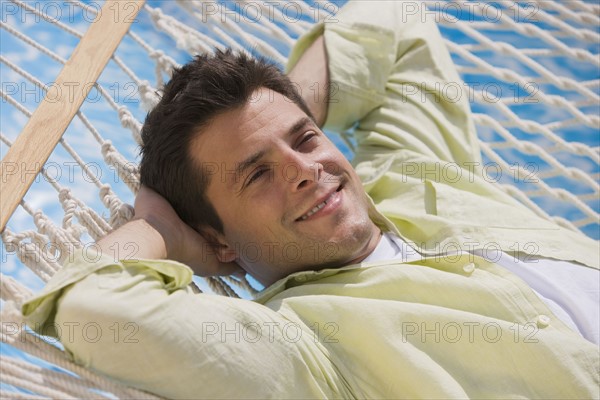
(469, 268)
(543, 321)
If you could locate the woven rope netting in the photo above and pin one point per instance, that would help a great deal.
(531, 72)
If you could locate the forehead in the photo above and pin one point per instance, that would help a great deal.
(232, 136)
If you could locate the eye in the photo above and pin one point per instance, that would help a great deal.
(307, 138)
(259, 172)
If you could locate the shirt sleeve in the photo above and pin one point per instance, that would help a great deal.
(138, 322)
(392, 76)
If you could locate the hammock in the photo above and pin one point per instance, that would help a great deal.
(531, 71)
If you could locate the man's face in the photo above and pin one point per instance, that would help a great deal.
(288, 198)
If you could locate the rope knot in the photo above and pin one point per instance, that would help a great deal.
(148, 95)
(40, 220)
(64, 194)
(155, 13)
(105, 190)
(107, 148)
(157, 55)
(10, 313)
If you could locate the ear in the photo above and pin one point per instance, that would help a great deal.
(224, 252)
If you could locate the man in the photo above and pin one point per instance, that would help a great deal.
(262, 191)
(388, 296)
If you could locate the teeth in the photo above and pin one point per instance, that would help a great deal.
(316, 208)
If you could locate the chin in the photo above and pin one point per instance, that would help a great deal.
(353, 242)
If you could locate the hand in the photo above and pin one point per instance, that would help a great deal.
(182, 243)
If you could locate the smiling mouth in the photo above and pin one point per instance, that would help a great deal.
(319, 206)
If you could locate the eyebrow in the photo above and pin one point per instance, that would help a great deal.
(248, 162)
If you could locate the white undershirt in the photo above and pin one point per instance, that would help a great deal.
(571, 291)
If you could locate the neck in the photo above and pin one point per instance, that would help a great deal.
(376, 235)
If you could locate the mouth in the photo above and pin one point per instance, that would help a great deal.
(319, 206)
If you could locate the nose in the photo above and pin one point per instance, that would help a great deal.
(302, 174)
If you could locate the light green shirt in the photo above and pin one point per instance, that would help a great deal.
(447, 326)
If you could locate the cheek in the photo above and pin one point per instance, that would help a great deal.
(259, 210)
(338, 167)
(334, 161)
(253, 226)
